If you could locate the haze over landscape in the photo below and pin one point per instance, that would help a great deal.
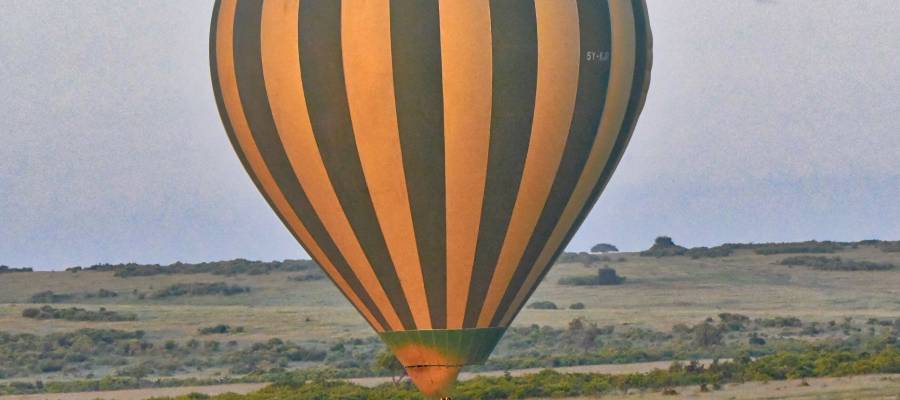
(766, 121)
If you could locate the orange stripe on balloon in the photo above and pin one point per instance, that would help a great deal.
(467, 80)
(368, 72)
(281, 66)
(557, 88)
(235, 111)
(619, 94)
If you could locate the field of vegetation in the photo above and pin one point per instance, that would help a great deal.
(807, 306)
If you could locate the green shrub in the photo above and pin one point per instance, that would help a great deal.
(780, 322)
(585, 259)
(835, 264)
(552, 384)
(577, 306)
(314, 276)
(543, 305)
(798, 247)
(5, 269)
(706, 335)
(709, 252)
(733, 322)
(232, 267)
(890, 247)
(50, 297)
(663, 246)
(76, 314)
(605, 276)
(199, 289)
(220, 329)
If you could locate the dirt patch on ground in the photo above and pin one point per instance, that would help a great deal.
(141, 394)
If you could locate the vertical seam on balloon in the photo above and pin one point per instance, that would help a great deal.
(554, 105)
(275, 199)
(368, 73)
(321, 40)
(466, 77)
(595, 43)
(514, 63)
(416, 61)
(257, 111)
(640, 86)
(281, 63)
(622, 22)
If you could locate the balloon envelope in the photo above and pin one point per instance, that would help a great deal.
(433, 156)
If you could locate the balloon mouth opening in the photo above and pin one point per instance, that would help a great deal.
(434, 381)
(433, 358)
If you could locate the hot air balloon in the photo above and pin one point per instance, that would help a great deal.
(433, 156)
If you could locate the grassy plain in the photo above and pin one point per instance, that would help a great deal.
(867, 387)
(657, 293)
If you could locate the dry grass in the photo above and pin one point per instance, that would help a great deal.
(869, 387)
(659, 292)
(141, 394)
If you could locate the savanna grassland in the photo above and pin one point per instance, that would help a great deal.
(81, 327)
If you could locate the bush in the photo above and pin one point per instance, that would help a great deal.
(605, 276)
(543, 305)
(835, 264)
(307, 277)
(50, 297)
(220, 329)
(755, 340)
(577, 306)
(707, 252)
(706, 335)
(798, 247)
(229, 268)
(890, 247)
(586, 259)
(199, 289)
(5, 269)
(733, 322)
(76, 314)
(608, 276)
(663, 246)
(553, 384)
(780, 322)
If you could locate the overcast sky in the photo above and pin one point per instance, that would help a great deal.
(767, 120)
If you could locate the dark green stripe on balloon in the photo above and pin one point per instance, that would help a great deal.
(252, 90)
(514, 38)
(593, 79)
(639, 88)
(329, 113)
(416, 52)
